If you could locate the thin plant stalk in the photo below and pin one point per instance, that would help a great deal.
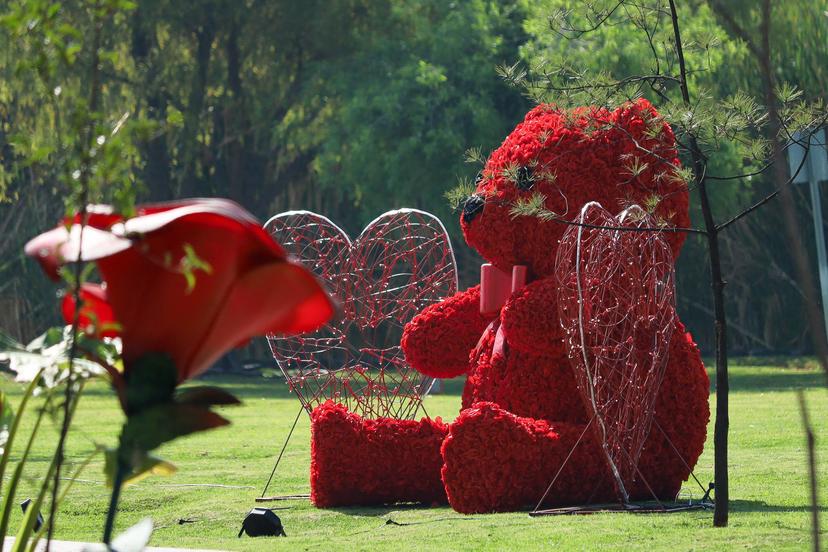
(86, 162)
(810, 443)
(720, 512)
(11, 491)
(118, 482)
(4, 459)
(39, 534)
(27, 526)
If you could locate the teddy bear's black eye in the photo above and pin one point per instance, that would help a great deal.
(472, 207)
(479, 178)
(524, 180)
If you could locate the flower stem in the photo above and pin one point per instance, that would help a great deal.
(120, 474)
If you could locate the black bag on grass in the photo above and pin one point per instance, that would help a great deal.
(261, 522)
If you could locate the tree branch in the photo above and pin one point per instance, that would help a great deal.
(768, 197)
(734, 27)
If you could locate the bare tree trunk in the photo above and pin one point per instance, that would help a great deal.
(155, 150)
(204, 44)
(236, 126)
(780, 177)
(722, 385)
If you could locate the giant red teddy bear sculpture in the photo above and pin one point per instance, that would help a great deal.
(522, 413)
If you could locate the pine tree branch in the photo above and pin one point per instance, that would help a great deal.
(768, 197)
(594, 25)
(647, 79)
(529, 209)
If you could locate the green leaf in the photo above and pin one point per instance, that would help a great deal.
(141, 466)
(47, 356)
(174, 117)
(160, 424)
(206, 396)
(475, 156)
(458, 195)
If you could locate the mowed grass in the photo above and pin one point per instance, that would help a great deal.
(221, 472)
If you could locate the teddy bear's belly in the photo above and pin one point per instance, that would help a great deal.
(543, 387)
(526, 384)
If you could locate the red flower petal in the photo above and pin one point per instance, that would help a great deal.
(281, 298)
(96, 313)
(99, 216)
(191, 325)
(190, 279)
(59, 246)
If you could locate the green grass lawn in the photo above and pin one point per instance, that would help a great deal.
(221, 472)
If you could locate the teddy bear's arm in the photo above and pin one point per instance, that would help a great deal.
(530, 318)
(437, 342)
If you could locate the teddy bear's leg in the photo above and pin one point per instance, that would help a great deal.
(496, 461)
(361, 462)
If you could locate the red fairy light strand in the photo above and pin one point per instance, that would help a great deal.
(401, 263)
(617, 308)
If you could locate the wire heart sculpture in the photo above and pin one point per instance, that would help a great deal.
(616, 304)
(400, 263)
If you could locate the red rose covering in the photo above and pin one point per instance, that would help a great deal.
(359, 462)
(522, 412)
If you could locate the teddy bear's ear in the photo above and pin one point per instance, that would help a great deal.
(641, 119)
(541, 110)
(640, 107)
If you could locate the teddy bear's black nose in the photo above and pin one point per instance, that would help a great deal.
(472, 207)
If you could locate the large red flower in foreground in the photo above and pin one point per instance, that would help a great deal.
(190, 279)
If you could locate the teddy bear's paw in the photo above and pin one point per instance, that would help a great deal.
(437, 341)
(530, 319)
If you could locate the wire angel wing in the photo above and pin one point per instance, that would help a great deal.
(403, 262)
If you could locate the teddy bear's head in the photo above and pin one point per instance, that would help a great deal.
(556, 161)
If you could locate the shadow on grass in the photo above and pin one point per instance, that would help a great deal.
(383, 511)
(385, 515)
(771, 379)
(762, 506)
(378, 511)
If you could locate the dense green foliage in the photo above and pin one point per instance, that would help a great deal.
(350, 108)
(221, 472)
(602, 51)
